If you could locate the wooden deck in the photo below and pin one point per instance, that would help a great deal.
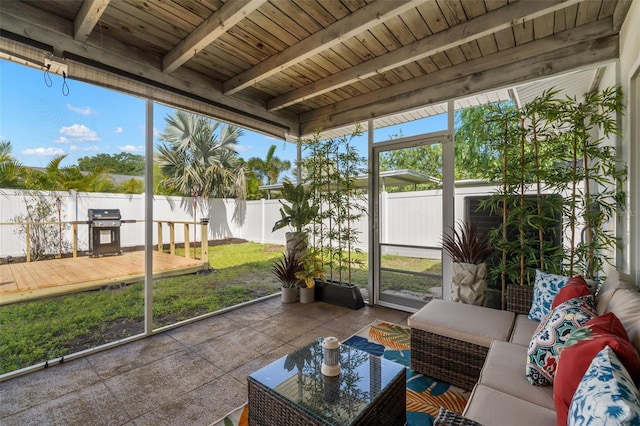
(27, 281)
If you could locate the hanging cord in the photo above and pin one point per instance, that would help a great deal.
(65, 86)
(47, 77)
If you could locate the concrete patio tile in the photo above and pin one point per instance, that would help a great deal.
(243, 371)
(132, 355)
(147, 388)
(92, 405)
(320, 310)
(48, 384)
(334, 329)
(201, 406)
(231, 350)
(204, 330)
(257, 313)
(280, 326)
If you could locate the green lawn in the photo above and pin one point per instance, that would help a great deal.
(40, 330)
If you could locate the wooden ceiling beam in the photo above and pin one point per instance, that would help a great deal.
(206, 33)
(87, 18)
(499, 19)
(361, 20)
(620, 13)
(588, 44)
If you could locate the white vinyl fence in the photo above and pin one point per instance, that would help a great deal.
(408, 218)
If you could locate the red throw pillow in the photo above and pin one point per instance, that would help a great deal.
(575, 287)
(581, 347)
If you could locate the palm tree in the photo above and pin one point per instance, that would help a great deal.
(270, 168)
(49, 179)
(11, 170)
(198, 157)
(57, 178)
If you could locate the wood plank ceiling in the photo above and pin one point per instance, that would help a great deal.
(305, 65)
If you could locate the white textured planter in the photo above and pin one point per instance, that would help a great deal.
(289, 295)
(307, 294)
(469, 283)
(296, 243)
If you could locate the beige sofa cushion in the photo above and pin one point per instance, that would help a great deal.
(503, 370)
(477, 325)
(625, 304)
(523, 330)
(613, 282)
(492, 407)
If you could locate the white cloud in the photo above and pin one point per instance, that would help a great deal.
(81, 111)
(43, 151)
(61, 139)
(131, 148)
(243, 148)
(79, 133)
(119, 130)
(84, 148)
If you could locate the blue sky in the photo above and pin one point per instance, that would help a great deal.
(41, 122)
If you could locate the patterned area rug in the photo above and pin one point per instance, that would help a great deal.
(425, 395)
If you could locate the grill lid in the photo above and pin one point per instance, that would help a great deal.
(103, 214)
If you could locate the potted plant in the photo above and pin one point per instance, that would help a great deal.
(468, 249)
(298, 213)
(331, 168)
(285, 270)
(310, 272)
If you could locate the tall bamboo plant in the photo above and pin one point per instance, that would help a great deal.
(528, 213)
(596, 178)
(550, 147)
(331, 169)
(539, 115)
(504, 117)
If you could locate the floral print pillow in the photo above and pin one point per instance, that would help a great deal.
(606, 395)
(545, 288)
(551, 336)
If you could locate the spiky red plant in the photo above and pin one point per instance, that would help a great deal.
(468, 245)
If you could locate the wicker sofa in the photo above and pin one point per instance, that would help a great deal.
(465, 345)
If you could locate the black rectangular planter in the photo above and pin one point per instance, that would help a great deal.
(340, 294)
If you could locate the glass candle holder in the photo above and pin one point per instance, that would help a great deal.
(330, 356)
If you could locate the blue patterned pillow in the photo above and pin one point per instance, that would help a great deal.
(551, 335)
(544, 291)
(606, 395)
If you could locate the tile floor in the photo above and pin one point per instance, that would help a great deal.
(191, 375)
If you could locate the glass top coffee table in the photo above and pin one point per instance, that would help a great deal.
(292, 390)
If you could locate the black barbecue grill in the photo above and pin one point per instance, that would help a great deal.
(104, 231)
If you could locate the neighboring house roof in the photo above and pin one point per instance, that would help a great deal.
(116, 178)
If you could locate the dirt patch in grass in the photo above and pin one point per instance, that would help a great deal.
(273, 249)
(114, 330)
